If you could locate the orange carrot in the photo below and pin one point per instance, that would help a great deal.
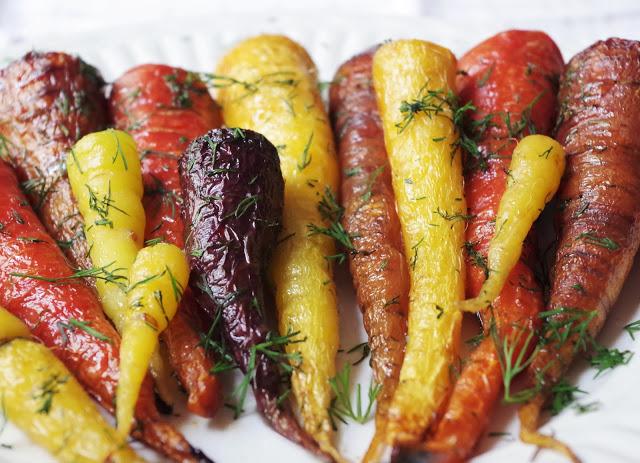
(511, 81)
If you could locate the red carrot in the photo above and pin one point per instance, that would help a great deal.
(511, 80)
(38, 286)
(164, 108)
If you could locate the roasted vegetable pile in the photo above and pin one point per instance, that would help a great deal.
(146, 249)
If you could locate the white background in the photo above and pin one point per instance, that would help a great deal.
(21, 19)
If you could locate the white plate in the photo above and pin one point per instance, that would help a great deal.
(609, 434)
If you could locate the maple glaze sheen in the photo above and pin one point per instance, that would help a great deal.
(599, 126)
(26, 248)
(427, 178)
(379, 269)
(163, 108)
(48, 101)
(502, 75)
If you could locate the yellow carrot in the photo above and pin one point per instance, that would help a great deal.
(534, 176)
(11, 327)
(281, 101)
(413, 82)
(158, 277)
(42, 397)
(105, 177)
(104, 172)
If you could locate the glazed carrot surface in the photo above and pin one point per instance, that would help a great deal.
(164, 108)
(39, 287)
(511, 79)
(377, 262)
(598, 217)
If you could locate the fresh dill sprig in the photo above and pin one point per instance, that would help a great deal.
(414, 258)
(563, 395)
(119, 152)
(5, 152)
(101, 273)
(586, 408)
(371, 179)
(512, 364)
(352, 171)
(86, 327)
(336, 231)
(154, 241)
(453, 217)
(430, 102)
(181, 91)
(605, 242)
(103, 205)
(564, 323)
(343, 407)
(604, 358)
(517, 129)
(37, 187)
(332, 213)
(632, 328)
(364, 349)
(445, 103)
(305, 157)
(279, 78)
(243, 206)
(272, 348)
(476, 257)
(168, 197)
(224, 360)
(47, 391)
(329, 208)
(475, 340)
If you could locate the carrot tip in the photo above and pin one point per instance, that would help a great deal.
(378, 449)
(529, 433)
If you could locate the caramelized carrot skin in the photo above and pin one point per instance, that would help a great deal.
(599, 127)
(164, 108)
(46, 307)
(502, 75)
(379, 269)
(42, 306)
(48, 101)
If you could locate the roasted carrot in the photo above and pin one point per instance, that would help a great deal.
(49, 404)
(536, 166)
(164, 108)
(48, 102)
(11, 327)
(233, 195)
(377, 261)
(39, 287)
(272, 75)
(599, 213)
(509, 77)
(157, 279)
(104, 173)
(414, 81)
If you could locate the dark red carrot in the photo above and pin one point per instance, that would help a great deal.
(164, 108)
(599, 215)
(379, 269)
(233, 198)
